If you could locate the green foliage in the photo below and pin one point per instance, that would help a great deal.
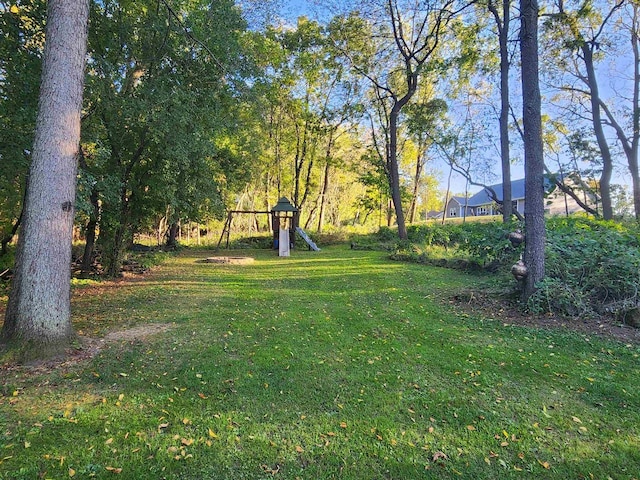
(165, 96)
(592, 266)
(386, 234)
(482, 243)
(7, 260)
(21, 44)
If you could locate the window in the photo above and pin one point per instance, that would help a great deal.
(453, 212)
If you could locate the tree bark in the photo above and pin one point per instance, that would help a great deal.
(38, 317)
(603, 144)
(394, 171)
(505, 160)
(323, 196)
(533, 149)
(416, 186)
(172, 235)
(90, 234)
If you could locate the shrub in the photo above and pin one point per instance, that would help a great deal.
(488, 242)
(592, 266)
(481, 242)
(386, 234)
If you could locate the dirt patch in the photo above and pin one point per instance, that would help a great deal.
(490, 305)
(89, 347)
(227, 260)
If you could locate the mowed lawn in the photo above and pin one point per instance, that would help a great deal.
(336, 364)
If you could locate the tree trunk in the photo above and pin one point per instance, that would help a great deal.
(90, 234)
(9, 237)
(607, 161)
(325, 182)
(394, 174)
(416, 187)
(632, 150)
(533, 148)
(323, 196)
(505, 160)
(38, 317)
(172, 236)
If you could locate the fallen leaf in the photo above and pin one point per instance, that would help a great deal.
(471, 428)
(299, 449)
(576, 419)
(439, 456)
(212, 434)
(545, 464)
(343, 424)
(72, 472)
(114, 469)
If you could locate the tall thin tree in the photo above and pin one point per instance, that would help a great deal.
(533, 148)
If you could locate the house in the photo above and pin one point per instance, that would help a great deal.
(482, 203)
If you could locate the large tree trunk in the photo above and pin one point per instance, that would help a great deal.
(631, 148)
(172, 235)
(38, 317)
(533, 148)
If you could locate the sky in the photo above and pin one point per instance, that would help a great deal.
(290, 10)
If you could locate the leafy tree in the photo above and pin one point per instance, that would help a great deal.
(164, 107)
(391, 46)
(580, 33)
(421, 118)
(21, 45)
(309, 104)
(38, 317)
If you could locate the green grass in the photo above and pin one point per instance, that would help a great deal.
(324, 365)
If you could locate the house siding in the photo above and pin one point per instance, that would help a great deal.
(481, 204)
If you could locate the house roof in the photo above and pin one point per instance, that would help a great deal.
(517, 193)
(459, 200)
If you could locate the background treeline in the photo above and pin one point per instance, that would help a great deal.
(193, 108)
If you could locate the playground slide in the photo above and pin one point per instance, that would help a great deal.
(306, 238)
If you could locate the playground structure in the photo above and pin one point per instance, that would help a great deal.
(284, 216)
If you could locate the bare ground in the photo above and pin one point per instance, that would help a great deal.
(489, 305)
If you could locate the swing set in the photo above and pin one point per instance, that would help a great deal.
(282, 213)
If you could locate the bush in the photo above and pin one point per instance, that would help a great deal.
(592, 266)
(489, 242)
(480, 243)
(386, 234)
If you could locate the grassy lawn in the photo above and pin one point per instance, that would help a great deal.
(333, 364)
